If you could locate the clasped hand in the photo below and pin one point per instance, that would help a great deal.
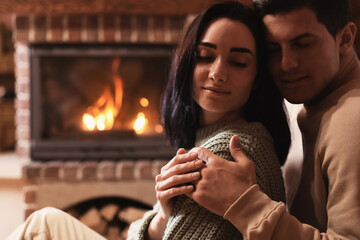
(209, 180)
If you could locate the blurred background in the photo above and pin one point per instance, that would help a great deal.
(12, 158)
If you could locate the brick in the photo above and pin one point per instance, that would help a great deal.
(109, 27)
(157, 165)
(89, 171)
(30, 196)
(145, 169)
(40, 28)
(51, 171)
(159, 29)
(74, 28)
(125, 170)
(92, 28)
(106, 170)
(31, 171)
(57, 28)
(125, 28)
(22, 26)
(142, 29)
(70, 171)
(176, 28)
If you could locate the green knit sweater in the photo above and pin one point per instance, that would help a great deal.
(191, 221)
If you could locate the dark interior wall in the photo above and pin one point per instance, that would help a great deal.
(356, 17)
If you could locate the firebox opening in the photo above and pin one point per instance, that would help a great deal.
(109, 216)
(99, 97)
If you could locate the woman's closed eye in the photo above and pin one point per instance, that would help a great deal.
(204, 58)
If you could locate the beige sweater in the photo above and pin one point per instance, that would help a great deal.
(327, 204)
(191, 221)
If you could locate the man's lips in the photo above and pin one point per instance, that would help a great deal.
(293, 79)
(216, 90)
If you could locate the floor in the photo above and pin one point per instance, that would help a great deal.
(11, 206)
(11, 197)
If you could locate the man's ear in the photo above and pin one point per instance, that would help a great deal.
(346, 37)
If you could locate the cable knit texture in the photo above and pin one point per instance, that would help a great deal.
(191, 221)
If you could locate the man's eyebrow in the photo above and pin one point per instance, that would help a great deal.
(207, 44)
(297, 38)
(302, 36)
(242, 50)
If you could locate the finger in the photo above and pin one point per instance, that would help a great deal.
(180, 151)
(235, 149)
(203, 154)
(178, 159)
(173, 192)
(177, 180)
(240, 157)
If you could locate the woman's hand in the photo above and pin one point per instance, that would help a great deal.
(175, 179)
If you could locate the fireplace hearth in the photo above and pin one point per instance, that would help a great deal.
(98, 101)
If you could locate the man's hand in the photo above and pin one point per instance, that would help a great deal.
(223, 182)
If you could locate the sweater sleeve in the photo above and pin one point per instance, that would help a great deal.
(138, 229)
(256, 216)
(261, 151)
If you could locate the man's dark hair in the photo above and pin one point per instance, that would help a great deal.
(334, 14)
(180, 113)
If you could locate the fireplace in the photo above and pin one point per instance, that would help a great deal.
(98, 101)
(69, 66)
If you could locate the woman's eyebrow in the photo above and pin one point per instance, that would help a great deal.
(242, 50)
(207, 44)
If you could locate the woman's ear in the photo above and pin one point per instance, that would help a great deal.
(346, 37)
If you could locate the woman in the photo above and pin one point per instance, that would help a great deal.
(218, 87)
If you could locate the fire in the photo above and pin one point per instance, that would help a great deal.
(102, 114)
(140, 123)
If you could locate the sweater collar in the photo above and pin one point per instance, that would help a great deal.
(349, 74)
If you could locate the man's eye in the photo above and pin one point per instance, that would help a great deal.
(239, 64)
(302, 45)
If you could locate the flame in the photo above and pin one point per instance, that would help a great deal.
(144, 102)
(102, 114)
(140, 123)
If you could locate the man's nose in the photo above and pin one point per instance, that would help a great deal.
(289, 60)
(217, 71)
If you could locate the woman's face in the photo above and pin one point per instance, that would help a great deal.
(225, 71)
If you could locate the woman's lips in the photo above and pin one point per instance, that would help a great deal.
(216, 90)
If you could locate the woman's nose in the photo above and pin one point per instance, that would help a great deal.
(217, 71)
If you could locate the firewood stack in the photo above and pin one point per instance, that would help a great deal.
(111, 219)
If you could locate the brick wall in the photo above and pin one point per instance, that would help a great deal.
(62, 185)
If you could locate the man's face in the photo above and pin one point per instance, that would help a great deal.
(303, 55)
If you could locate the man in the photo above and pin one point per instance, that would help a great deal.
(312, 60)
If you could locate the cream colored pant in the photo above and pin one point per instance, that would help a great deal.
(53, 224)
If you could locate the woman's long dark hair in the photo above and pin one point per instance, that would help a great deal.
(180, 113)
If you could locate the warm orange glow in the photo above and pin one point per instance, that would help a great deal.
(144, 102)
(102, 114)
(89, 121)
(140, 123)
(159, 129)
